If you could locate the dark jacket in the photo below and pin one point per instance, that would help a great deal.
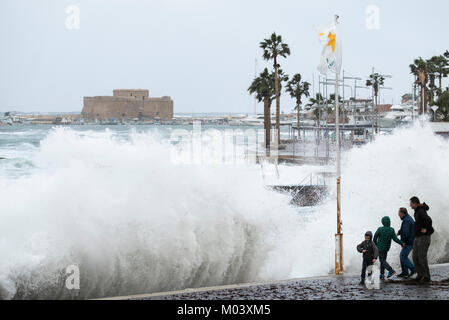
(407, 231)
(371, 249)
(423, 221)
(384, 235)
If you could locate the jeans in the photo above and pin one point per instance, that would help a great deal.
(383, 263)
(420, 248)
(406, 264)
(366, 264)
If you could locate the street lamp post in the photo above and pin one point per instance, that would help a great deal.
(378, 98)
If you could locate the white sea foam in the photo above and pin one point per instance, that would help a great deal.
(378, 179)
(135, 222)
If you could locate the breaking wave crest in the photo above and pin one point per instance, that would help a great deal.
(135, 222)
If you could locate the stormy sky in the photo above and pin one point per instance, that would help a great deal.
(202, 53)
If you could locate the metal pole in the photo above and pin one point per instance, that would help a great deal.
(318, 122)
(343, 87)
(339, 235)
(373, 110)
(355, 102)
(255, 76)
(413, 103)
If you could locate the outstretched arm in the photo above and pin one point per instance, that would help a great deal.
(396, 239)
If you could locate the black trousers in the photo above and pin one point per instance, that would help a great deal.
(366, 264)
(383, 263)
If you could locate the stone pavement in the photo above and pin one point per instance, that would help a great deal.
(323, 288)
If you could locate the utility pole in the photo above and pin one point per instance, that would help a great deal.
(319, 109)
(255, 76)
(377, 96)
(339, 269)
(355, 93)
(413, 101)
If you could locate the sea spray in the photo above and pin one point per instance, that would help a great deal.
(136, 221)
(378, 179)
(133, 222)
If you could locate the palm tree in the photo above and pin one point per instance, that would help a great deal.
(443, 104)
(341, 107)
(376, 81)
(440, 66)
(332, 98)
(297, 90)
(432, 72)
(264, 88)
(318, 101)
(273, 48)
(420, 69)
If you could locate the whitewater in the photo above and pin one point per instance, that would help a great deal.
(135, 221)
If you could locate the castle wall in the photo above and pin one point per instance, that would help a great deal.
(139, 94)
(122, 106)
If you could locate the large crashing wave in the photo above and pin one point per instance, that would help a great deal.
(377, 180)
(135, 222)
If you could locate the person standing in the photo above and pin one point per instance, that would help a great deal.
(370, 254)
(407, 233)
(382, 239)
(423, 233)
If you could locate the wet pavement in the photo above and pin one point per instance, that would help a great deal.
(325, 288)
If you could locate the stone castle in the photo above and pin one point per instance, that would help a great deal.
(127, 105)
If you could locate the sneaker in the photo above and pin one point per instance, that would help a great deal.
(403, 275)
(362, 282)
(382, 277)
(412, 274)
(391, 273)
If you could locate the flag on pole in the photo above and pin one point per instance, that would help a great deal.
(331, 57)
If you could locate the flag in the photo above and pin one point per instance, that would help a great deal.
(331, 57)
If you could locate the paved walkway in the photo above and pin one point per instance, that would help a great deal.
(324, 288)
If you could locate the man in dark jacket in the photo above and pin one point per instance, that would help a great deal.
(407, 233)
(370, 253)
(423, 232)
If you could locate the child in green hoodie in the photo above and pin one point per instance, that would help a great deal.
(382, 239)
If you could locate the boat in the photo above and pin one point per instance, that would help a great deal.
(359, 121)
(398, 115)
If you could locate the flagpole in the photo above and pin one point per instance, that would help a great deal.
(339, 236)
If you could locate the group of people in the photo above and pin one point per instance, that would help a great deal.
(415, 235)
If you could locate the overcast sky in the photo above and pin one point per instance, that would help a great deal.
(200, 52)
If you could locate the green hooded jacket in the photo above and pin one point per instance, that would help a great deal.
(384, 235)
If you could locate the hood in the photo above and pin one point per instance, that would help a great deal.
(386, 221)
(425, 206)
(369, 234)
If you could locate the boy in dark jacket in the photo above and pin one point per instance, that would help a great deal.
(382, 239)
(370, 253)
(407, 233)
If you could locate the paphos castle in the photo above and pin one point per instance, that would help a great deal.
(127, 104)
